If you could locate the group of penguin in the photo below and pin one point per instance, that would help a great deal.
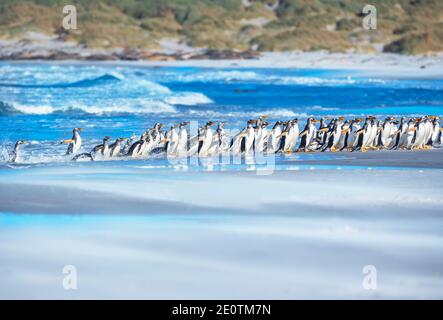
(331, 134)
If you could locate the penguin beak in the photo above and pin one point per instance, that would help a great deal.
(412, 129)
(66, 141)
(324, 129)
(314, 120)
(345, 131)
(341, 118)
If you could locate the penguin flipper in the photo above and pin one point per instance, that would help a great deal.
(83, 156)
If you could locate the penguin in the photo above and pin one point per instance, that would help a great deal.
(289, 136)
(274, 137)
(334, 136)
(83, 156)
(75, 143)
(435, 132)
(363, 136)
(244, 140)
(261, 137)
(372, 138)
(385, 135)
(408, 136)
(344, 136)
(308, 134)
(247, 145)
(352, 140)
(420, 134)
(115, 148)
(206, 138)
(16, 152)
(183, 137)
(221, 138)
(135, 149)
(102, 150)
(399, 134)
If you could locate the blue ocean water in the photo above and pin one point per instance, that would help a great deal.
(42, 102)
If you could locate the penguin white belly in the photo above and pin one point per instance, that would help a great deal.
(274, 140)
(294, 137)
(182, 144)
(249, 141)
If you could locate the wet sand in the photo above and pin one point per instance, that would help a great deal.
(427, 159)
(305, 231)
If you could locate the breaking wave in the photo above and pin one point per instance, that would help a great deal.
(250, 76)
(145, 106)
(104, 79)
(272, 113)
(188, 99)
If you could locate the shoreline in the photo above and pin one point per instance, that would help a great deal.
(383, 64)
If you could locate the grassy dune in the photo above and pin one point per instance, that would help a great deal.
(404, 26)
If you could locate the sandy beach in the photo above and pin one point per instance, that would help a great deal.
(376, 65)
(303, 232)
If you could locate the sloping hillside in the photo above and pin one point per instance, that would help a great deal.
(404, 26)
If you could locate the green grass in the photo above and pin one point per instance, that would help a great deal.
(404, 26)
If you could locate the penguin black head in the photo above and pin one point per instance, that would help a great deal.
(184, 124)
(21, 142)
